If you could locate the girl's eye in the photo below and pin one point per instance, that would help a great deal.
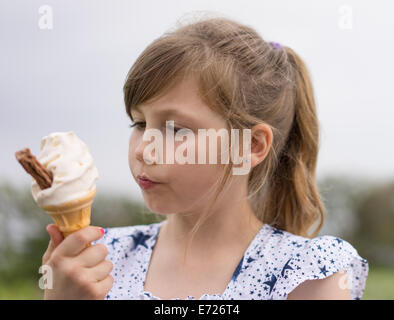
(173, 128)
(139, 125)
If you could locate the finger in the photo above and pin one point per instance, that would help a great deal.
(92, 255)
(79, 240)
(105, 285)
(55, 234)
(56, 237)
(101, 271)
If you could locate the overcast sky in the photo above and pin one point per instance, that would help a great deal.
(70, 77)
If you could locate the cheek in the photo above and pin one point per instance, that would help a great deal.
(191, 177)
(132, 145)
(193, 181)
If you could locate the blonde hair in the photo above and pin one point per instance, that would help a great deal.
(248, 81)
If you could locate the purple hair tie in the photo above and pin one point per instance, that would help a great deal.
(276, 45)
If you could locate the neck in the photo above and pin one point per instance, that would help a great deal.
(231, 223)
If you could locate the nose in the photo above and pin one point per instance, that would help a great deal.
(149, 158)
(139, 151)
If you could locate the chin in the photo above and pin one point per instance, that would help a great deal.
(157, 207)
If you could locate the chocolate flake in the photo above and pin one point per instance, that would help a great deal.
(29, 162)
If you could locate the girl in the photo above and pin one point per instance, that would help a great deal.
(225, 236)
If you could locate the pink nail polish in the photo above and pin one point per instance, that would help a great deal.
(102, 230)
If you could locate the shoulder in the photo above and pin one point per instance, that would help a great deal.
(330, 288)
(324, 267)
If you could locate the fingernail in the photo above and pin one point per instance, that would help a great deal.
(102, 230)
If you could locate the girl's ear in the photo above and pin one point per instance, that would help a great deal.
(261, 137)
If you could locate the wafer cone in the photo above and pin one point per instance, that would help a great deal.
(73, 215)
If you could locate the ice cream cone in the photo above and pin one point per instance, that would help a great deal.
(73, 215)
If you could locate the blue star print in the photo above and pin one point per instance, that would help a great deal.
(114, 240)
(237, 270)
(250, 260)
(271, 283)
(323, 270)
(277, 231)
(285, 267)
(339, 240)
(140, 239)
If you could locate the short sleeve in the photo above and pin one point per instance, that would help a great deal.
(320, 258)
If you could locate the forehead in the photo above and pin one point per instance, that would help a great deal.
(183, 98)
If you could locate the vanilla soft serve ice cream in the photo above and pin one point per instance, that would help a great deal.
(72, 166)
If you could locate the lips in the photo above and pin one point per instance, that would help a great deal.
(145, 182)
(146, 177)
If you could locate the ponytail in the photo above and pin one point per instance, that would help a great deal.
(292, 202)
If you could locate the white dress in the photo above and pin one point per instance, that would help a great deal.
(274, 263)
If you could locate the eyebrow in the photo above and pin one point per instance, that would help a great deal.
(168, 112)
